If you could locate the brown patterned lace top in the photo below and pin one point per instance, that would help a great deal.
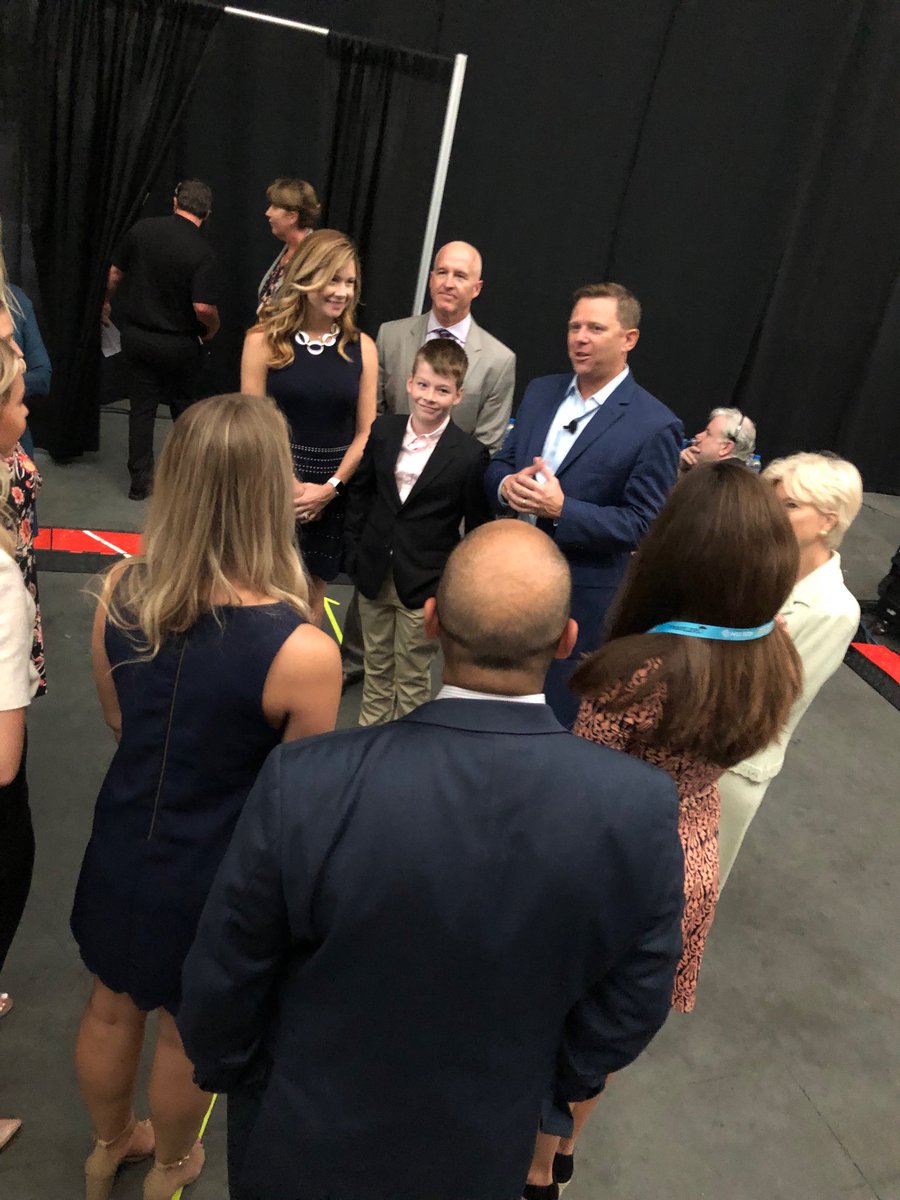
(631, 729)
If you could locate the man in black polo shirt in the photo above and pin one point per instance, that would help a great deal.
(166, 311)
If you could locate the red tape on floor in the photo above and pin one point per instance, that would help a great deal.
(882, 656)
(89, 541)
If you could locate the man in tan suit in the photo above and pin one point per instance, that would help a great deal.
(454, 283)
(486, 403)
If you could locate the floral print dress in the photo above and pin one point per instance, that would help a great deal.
(631, 729)
(25, 483)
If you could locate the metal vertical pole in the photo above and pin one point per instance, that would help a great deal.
(440, 179)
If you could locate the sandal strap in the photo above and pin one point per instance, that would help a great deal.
(179, 1162)
(129, 1129)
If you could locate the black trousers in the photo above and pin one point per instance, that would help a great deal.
(244, 1104)
(160, 368)
(16, 855)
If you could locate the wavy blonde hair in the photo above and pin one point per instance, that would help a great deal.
(320, 255)
(221, 517)
(10, 369)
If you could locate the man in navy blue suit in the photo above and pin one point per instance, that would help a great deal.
(590, 460)
(429, 935)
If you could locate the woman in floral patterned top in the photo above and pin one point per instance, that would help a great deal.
(25, 483)
(720, 556)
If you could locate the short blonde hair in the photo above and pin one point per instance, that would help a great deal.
(828, 483)
(221, 517)
(10, 370)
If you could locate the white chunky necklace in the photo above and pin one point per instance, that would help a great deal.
(317, 345)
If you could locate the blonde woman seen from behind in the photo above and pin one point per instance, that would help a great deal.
(204, 660)
(307, 353)
(822, 495)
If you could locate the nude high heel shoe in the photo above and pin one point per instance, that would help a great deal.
(164, 1179)
(105, 1159)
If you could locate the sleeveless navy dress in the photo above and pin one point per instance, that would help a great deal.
(194, 738)
(318, 393)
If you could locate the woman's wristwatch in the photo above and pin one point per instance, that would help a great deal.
(337, 484)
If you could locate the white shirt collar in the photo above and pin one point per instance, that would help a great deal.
(460, 330)
(450, 692)
(598, 397)
(411, 434)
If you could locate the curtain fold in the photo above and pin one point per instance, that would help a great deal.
(111, 80)
(384, 124)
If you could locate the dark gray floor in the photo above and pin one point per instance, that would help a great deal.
(783, 1085)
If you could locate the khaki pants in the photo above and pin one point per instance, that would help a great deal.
(741, 798)
(398, 657)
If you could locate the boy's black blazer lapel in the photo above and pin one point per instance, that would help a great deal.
(386, 459)
(441, 457)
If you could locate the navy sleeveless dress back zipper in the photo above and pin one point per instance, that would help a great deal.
(193, 740)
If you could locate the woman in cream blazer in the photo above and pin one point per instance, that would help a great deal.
(822, 495)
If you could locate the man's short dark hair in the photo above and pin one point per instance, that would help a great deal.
(445, 357)
(194, 197)
(628, 307)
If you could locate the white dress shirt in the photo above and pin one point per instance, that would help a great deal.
(460, 330)
(415, 451)
(559, 441)
(450, 692)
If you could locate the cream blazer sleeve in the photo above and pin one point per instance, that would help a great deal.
(821, 616)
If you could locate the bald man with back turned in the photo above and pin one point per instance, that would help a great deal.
(429, 937)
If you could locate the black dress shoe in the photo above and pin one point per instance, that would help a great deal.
(563, 1170)
(534, 1191)
(351, 676)
(139, 492)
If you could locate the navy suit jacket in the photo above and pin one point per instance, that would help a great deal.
(616, 477)
(420, 931)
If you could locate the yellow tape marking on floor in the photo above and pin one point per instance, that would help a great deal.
(329, 603)
(212, 1104)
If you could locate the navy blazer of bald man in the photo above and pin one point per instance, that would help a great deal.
(423, 936)
(616, 477)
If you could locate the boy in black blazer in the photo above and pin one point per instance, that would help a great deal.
(419, 478)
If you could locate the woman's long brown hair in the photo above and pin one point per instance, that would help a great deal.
(721, 552)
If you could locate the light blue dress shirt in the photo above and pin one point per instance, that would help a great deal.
(559, 440)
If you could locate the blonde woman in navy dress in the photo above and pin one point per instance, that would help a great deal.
(204, 661)
(308, 354)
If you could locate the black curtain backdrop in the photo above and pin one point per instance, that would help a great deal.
(388, 111)
(361, 121)
(736, 163)
(111, 78)
(16, 24)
